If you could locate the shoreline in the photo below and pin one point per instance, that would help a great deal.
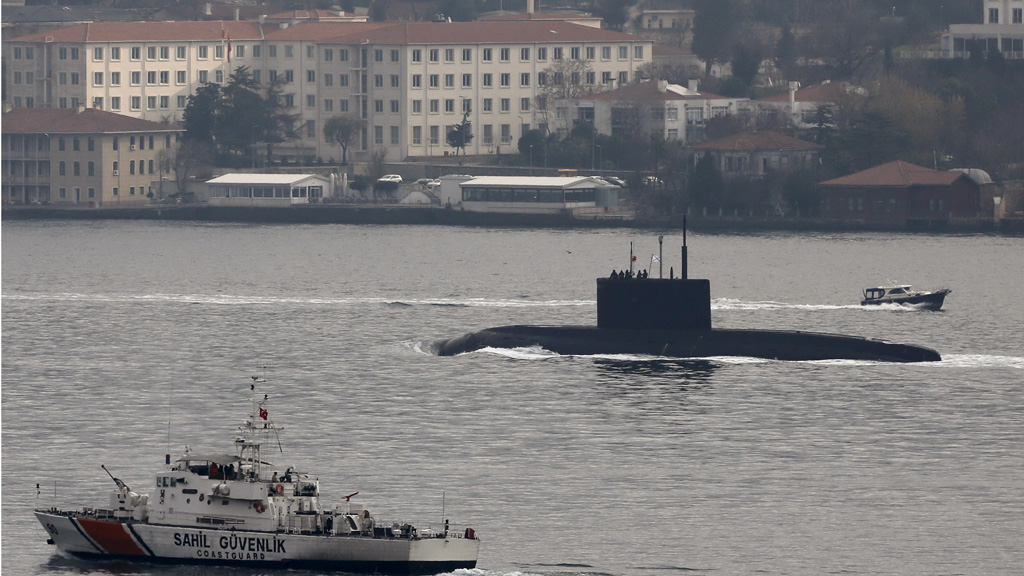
(418, 215)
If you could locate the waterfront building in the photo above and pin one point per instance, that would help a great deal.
(82, 157)
(409, 82)
(240, 189)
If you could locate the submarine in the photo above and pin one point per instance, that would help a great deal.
(672, 317)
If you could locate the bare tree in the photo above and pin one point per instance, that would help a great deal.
(343, 130)
(186, 159)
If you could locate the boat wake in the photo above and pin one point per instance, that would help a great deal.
(231, 300)
(948, 361)
(734, 304)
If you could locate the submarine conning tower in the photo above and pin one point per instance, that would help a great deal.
(654, 303)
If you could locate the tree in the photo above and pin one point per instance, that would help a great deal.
(201, 115)
(706, 185)
(186, 159)
(614, 13)
(343, 130)
(847, 36)
(277, 122)
(714, 26)
(460, 134)
(240, 112)
(378, 10)
(563, 80)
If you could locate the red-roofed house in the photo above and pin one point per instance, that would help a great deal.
(799, 106)
(753, 154)
(901, 192)
(655, 107)
(85, 157)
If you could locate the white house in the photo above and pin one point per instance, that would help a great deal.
(268, 189)
(536, 194)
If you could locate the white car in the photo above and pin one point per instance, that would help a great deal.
(396, 178)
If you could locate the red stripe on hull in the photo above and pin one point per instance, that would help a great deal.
(112, 537)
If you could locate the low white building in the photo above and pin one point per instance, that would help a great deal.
(537, 194)
(243, 189)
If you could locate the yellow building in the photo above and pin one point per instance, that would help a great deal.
(81, 157)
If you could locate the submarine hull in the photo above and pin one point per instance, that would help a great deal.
(698, 343)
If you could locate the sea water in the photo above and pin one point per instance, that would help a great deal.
(124, 341)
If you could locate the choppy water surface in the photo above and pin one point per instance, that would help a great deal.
(610, 465)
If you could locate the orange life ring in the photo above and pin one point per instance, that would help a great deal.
(279, 488)
(259, 507)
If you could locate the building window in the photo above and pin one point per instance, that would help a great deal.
(417, 55)
(506, 104)
(180, 52)
(136, 102)
(311, 76)
(417, 106)
(394, 135)
(467, 54)
(328, 105)
(115, 102)
(181, 101)
(467, 80)
(556, 53)
(417, 135)
(449, 105)
(179, 77)
(62, 168)
(394, 80)
(506, 79)
(524, 79)
(204, 76)
(449, 55)
(487, 55)
(310, 101)
(434, 135)
(417, 81)
(394, 106)
(1018, 15)
(378, 105)
(378, 80)
(165, 102)
(115, 53)
(97, 79)
(638, 52)
(91, 169)
(487, 80)
(204, 52)
(449, 80)
(574, 53)
(435, 106)
(591, 52)
(435, 81)
(378, 135)
(623, 52)
(165, 78)
(394, 55)
(239, 51)
(310, 51)
(435, 55)
(488, 105)
(524, 104)
(289, 51)
(993, 15)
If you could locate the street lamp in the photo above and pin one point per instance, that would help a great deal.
(531, 159)
(600, 159)
(593, 140)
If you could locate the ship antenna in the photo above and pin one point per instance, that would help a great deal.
(170, 396)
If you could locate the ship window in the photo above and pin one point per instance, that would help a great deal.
(190, 491)
(224, 502)
(897, 291)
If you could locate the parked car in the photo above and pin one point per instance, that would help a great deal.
(396, 178)
(653, 181)
(615, 180)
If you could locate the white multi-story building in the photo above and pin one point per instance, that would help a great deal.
(1001, 30)
(409, 82)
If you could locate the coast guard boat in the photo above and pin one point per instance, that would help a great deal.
(238, 510)
(904, 294)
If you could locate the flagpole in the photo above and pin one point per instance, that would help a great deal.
(630, 259)
(661, 240)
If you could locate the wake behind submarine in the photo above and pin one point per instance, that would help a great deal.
(672, 317)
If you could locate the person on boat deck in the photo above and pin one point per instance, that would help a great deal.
(614, 275)
(214, 470)
(274, 479)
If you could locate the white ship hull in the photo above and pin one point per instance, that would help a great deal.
(92, 538)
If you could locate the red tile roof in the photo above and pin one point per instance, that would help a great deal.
(664, 50)
(495, 32)
(829, 92)
(148, 32)
(321, 31)
(761, 140)
(898, 174)
(71, 121)
(547, 31)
